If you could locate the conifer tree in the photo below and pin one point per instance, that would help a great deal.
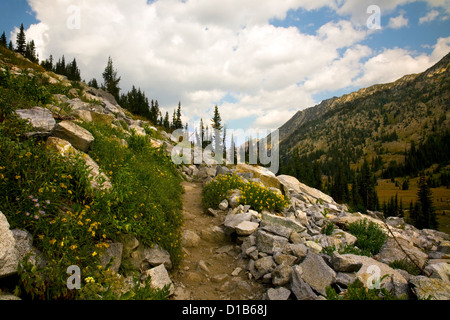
(3, 40)
(10, 46)
(166, 122)
(111, 80)
(21, 43)
(217, 126)
(425, 216)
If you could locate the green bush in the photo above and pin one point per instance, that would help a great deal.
(215, 191)
(370, 236)
(357, 291)
(254, 194)
(406, 265)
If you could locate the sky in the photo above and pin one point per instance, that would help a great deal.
(259, 61)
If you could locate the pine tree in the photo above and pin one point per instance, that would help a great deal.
(166, 122)
(72, 71)
(93, 83)
(217, 126)
(111, 80)
(10, 46)
(21, 43)
(177, 123)
(426, 216)
(3, 40)
(30, 51)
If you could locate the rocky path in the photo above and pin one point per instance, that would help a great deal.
(212, 268)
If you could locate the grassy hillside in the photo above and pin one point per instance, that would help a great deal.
(51, 197)
(389, 125)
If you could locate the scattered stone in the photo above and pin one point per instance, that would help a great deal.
(190, 239)
(299, 287)
(317, 273)
(159, 278)
(435, 289)
(278, 294)
(223, 205)
(8, 252)
(246, 228)
(270, 243)
(40, 118)
(79, 137)
(113, 255)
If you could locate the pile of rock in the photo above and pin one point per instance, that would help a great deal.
(285, 251)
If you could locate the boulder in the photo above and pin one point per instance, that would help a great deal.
(317, 273)
(281, 275)
(299, 287)
(246, 228)
(425, 288)
(278, 294)
(372, 271)
(98, 179)
(345, 263)
(102, 118)
(391, 252)
(291, 183)
(155, 256)
(265, 175)
(78, 137)
(282, 221)
(223, 205)
(159, 278)
(233, 220)
(190, 239)
(269, 243)
(8, 253)
(40, 118)
(113, 255)
(439, 270)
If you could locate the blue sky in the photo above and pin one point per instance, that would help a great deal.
(260, 61)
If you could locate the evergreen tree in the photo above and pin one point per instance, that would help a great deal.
(21, 43)
(10, 46)
(30, 51)
(72, 71)
(93, 83)
(177, 123)
(217, 126)
(166, 122)
(425, 216)
(60, 67)
(48, 64)
(154, 111)
(3, 40)
(111, 80)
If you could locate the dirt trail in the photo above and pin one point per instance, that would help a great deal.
(209, 270)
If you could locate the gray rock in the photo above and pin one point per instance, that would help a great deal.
(223, 205)
(425, 288)
(391, 252)
(159, 278)
(233, 198)
(8, 252)
(155, 256)
(317, 273)
(233, 220)
(440, 270)
(40, 118)
(285, 259)
(299, 287)
(276, 229)
(278, 294)
(270, 243)
(345, 279)
(79, 137)
(190, 239)
(281, 275)
(246, 228)
(113, 255)
(282, 221)
(299, 250)
(345, 263)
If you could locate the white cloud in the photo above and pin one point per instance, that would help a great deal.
(200, 52)
(398, 22)
(433, 14)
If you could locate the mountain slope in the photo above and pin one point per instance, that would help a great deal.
(381, 120)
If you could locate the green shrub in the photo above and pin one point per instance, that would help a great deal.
(215, 191)
(254, 194)
(328, 229)
(357, 291)
(261, 198)
(406, 265)
(370, 236)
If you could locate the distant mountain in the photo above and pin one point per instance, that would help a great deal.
(381, 122)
